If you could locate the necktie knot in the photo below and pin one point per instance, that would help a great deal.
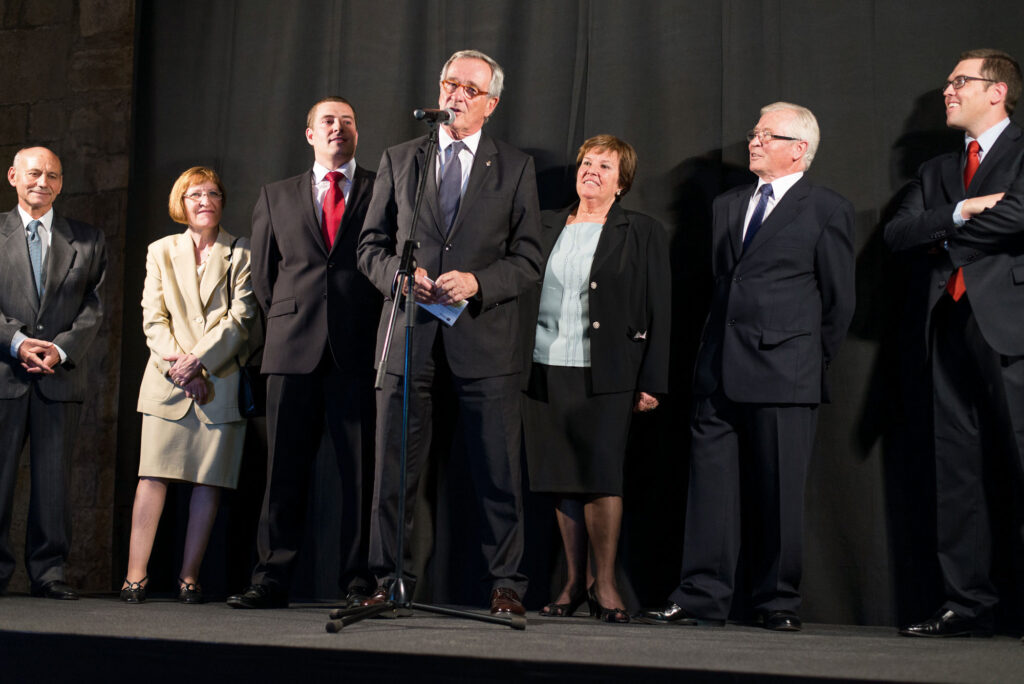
(334, 176)
(33, 229)
(453, 150)
(766, 190)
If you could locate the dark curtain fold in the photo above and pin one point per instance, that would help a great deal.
(228, 84)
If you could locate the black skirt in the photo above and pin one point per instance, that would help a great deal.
(575, 440)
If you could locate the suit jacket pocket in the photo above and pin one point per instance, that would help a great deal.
(282, 308)
(773, 338)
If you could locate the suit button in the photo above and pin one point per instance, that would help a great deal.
(39, 327)
(942, 284)
(324, 296)
(596, 325)
(330, 264)
(197, 319)
(732, 321)
(737, 279)
(593, 285)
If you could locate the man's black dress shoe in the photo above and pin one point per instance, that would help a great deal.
(673, 614)
(946, 623)
(780, 620)
(258, 596)
(56, 589)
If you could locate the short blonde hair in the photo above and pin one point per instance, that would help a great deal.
(627, 158)
(197, 174)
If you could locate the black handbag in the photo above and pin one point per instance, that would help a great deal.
(252, 385)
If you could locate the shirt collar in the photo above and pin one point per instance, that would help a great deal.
(46, 219)
(781, 185)
(988, 138)
(348, 169)
(444, 140)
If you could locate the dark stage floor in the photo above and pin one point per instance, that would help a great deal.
(101, 639)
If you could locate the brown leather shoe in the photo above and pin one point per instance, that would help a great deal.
(505, 601)
(379, 596)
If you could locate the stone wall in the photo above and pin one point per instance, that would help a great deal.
(66, 83)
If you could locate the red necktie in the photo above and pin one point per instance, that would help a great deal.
(334, 208)
(955, 287)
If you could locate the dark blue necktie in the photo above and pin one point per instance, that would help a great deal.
(449, 191)
(758, 216)
(35, 254)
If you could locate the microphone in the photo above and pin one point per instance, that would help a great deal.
(434, 115)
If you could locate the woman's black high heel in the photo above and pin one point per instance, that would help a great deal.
(134, 592)
(566, 609)
(189, 592)
(613, 615)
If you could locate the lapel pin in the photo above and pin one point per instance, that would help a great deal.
(487, 163)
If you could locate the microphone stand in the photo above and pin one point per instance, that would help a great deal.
(399, 602)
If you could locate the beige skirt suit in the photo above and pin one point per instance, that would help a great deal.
(185, 310)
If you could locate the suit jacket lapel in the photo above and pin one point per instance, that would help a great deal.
(483, 160)
(15, 248)
(551, 230)
(782, 215)
(424, 165)
(59, 258)
(217, 262)
(310, 219)
(613, 234)
(183, 261)
(993, 158)
(734, 221)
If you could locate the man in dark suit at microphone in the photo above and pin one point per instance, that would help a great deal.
(318, 353)
(478, 231)
(783, 261)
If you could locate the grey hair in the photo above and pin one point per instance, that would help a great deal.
(803, 126)
(497, 83)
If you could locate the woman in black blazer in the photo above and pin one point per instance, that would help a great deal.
(599, 330)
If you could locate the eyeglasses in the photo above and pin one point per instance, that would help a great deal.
(212, 195)
(960, 81)
(766, 136)
(451, 86)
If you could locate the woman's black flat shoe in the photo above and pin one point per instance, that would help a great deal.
(565, 609)
(189, 592)
(134, 592)
(614, 615)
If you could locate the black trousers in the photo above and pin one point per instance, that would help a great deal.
(979, 439)
(488, 415)
(748, 466)
(50, 427)
(298, 407)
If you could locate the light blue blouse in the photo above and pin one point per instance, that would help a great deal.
(563, 323)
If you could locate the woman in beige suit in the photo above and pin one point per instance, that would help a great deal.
(192, 430)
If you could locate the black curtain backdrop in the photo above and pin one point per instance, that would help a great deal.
(228, 84)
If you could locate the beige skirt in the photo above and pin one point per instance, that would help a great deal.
(191, 450)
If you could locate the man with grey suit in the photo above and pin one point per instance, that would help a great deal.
(51, 274)
(479, 235)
